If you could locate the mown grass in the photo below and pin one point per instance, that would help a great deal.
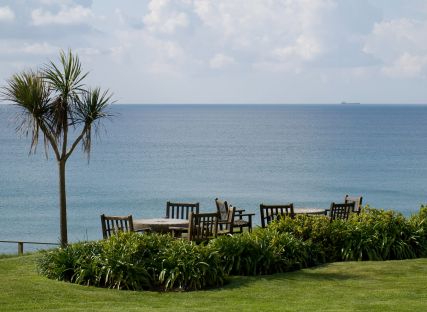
(345, 286)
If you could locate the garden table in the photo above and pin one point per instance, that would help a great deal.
(160, 225)
(310, 211)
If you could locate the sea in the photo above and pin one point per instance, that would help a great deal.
(146, 155)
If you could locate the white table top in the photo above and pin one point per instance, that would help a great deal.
(318, 211)
(159, 224)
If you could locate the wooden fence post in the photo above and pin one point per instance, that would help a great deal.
(20, 248)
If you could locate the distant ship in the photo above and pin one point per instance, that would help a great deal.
(350, 103)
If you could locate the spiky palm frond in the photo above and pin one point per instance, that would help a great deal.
(30, 93)
(89, 110)
(66, 80)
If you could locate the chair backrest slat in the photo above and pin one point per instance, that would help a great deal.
(202, 226)
(229, 225)
(222, 209)
(111, 225)
(341, 211)
(273, 212)
(357, 202)
(181, 210)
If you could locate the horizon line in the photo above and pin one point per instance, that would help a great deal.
(241, 103)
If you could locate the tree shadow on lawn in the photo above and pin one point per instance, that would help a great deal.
(307, 274)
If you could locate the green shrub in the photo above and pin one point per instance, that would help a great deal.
(325, 238)
(381, 235)
(63, 263)
(373, 235)
(188, 266)
(419, 223)
(264, 251)
(135, 262)
(123, 261)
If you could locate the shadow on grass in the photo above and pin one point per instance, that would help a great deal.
(309, 274)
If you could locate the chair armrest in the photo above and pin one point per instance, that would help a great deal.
(239, 210)
(142, 230)
(247, 214)
(178, 228)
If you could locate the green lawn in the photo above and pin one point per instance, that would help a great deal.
(357, 286)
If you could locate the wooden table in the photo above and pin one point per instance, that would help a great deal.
(160, 225)
(310, 211)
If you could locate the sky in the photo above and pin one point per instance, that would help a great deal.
(228, 51)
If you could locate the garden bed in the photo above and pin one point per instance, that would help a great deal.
(159, 262)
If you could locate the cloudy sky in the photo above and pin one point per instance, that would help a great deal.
(229, 51)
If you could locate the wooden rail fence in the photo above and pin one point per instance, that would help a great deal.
(21, 244)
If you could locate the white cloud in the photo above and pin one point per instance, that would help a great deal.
(40, 48)
(221, 61)
(66, 16)
(264, 45)
(268, 31)
(6, 14)
(304, 48)
(164, 18)
(401, 47)
(165, 57)
(53, 2)
(407, 66)
(262, 35)
(288, 36)
(37, 48)
(152, 54)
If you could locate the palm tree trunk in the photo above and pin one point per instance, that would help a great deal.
(62, 204)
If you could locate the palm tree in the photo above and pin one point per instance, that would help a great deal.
(54, 104)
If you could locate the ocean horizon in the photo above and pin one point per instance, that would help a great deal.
(247, 154)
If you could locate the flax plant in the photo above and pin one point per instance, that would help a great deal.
(55, 105)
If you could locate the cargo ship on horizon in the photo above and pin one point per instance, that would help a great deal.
(350, 103)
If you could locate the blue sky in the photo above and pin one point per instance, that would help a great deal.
(229, 51)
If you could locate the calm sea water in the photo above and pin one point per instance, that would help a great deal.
(306, 154)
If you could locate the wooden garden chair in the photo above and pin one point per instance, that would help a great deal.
(227, 226)
(241, 219)
(341, 211)
(181, 210)
(357, 202)
(273, 212)
(202, 226)
(111, 225)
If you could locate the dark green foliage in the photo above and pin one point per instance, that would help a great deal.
(122, 262)
(189, 266)
(419, 224)
(324, 237)
(67, 264)
(135, 262)
(264, 251)
(381, 235)
(373, 235)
